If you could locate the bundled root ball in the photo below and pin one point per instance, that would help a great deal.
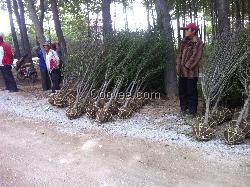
(202, 131)
(83, 107)
(74, 112)
(125, 112)
(71, 98)
(51, 99)
(220, 116)
(92, 110)
(245, 126)
(234, 135)
(113, 109)
(103, 115)
(137, 104)
(60, 101)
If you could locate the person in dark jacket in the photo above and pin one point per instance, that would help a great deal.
(46, 83)
(187, 67)
(6, 60)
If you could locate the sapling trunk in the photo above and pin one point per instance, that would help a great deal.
(114, 93)
(245, 116)
(130, 94)
(243, 111)
(206, 120)
(133, 83)
(216, 104)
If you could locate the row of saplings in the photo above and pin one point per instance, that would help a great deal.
(107, 81)
(94, 104)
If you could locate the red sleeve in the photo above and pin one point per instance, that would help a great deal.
(8, 55)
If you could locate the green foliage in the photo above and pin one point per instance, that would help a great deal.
(81, 54)
(225, 56)
(126, 55)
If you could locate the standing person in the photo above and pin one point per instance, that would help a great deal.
(53, 46)
(61, 56)
(6, 59)
(52, 63)
(46, 85)
(56, 47)
(187, 67)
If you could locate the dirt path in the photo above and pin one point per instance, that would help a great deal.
(37, 154)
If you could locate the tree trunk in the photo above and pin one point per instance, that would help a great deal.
(213, 19)
(223, 15)
(232, 14)
(216, 17)
(204, 32)
(195, 7)
(238, 17)
(96, 26)
(184, 7)
(190, 11)
(42, 9)
(164, 23)
(17, 53)
(88, 10)
(58, 27)
(24, 32)
(152, 13)
(126, 16)
(106, 18)
(37, 23)
(148, 13)
(18, 20)
(248, 10)
(243, 11)
(178, 24)
(204, 23)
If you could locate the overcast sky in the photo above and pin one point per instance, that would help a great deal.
(137, 17)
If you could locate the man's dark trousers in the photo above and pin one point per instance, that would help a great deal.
(55, 76)
(9, 79)
(188, 94)
(45, 79)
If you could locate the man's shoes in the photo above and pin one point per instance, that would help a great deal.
(11, 91)
(182, 113)
(190, 116)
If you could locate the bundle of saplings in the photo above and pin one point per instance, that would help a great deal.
(110, 81)
(239, 128)
(228, 53)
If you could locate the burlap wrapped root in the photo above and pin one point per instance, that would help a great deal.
(202, 131)
(205, 132)
(234, 134)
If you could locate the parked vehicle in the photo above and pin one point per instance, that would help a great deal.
(25, 70)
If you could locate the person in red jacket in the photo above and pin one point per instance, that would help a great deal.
(6, 59)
